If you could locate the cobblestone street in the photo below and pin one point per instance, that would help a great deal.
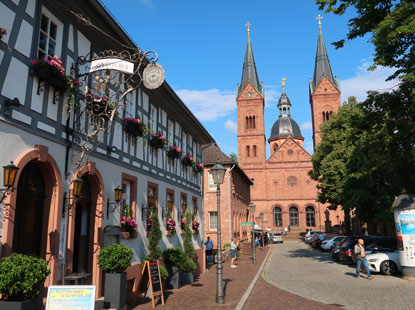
(299, 269)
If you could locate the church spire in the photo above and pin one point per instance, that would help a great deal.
(322, 65)
(249, 73)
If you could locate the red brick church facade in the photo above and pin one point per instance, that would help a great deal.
(282, 190)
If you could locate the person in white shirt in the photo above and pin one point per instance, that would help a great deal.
(234, 245)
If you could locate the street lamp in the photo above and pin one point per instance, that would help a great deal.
(76, 192)
(118, 198)
(218, 173)
(261, 214)
(252, 210)
(9, 176)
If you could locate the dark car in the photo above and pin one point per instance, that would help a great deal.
(372, 243)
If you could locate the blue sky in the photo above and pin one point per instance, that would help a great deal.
(201, 45)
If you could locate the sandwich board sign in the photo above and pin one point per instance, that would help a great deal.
(150, 277)
(71, 297)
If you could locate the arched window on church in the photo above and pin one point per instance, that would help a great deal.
(324, 117)
(277, 217)
(327, 115)
(247, 151)
(293, 216)
(247, 123)
(253, 122)
(284, 111)
(310, 216)
(275, 147)
(254, 151)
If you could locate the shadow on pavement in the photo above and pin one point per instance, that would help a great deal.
(311, 253)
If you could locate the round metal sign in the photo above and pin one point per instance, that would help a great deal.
(153, 76)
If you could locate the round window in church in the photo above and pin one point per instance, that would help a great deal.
(290, 152)
(292, 181)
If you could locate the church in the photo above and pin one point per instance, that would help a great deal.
(282, 191)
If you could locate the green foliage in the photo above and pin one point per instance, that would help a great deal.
(227, 245)
(174, 256)
(154, 235)
(234, 157)
(188, 266)
(127, 211)
(21, 276)
(189, 250)
(115, 258)
(391, 25)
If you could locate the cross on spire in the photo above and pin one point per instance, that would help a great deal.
(248, 24)
(319, 17)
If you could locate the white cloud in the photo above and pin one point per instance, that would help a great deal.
(364, 81)
(231, 126)
(209, 104)
(271, 95)
(307, 126)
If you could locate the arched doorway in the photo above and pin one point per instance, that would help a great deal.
(28, 232)
(310, 215)
(278, 217)
(293, 217)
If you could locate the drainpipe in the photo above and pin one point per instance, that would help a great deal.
(229, 201)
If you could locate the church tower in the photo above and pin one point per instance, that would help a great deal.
(250, 108)
(324, 89)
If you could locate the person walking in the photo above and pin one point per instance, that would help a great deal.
(360, 255)
(234, 245)
(289, 227)
(285, 231)
(209, 246)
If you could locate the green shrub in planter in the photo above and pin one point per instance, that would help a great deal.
(21, 276)
(174, 257)
(188, 266)
(115, 258)
(164, 274)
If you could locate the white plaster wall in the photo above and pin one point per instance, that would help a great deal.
(24, 39)
(84, 45)
(6, 18)
(30, 8)
(70, 38)
(16, 2)
(14, 84)
(52, 108)
(145, 101)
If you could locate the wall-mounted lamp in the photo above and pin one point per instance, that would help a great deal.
(168, 208)
(118, 197)
(9, 176)
(145, 211)
(183, 210)
(76, 191)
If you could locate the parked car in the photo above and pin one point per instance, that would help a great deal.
(276, 237)
(327, 244)
(386, 263)
(310, 234)
(372, 243)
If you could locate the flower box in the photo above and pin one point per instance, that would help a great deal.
(187, 160)
(3, 33)
(134, 126)
(157, 141)
(50, 70)
(174, 152)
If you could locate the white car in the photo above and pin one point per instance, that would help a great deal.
(310, 235)
(277, 238)
(384, 262)
(327, 244)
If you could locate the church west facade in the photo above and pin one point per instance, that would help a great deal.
(283, 192)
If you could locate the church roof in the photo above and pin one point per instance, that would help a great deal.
(249, 72)
(322, 64)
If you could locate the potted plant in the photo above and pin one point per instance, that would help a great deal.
(128, 224)
(195, 225)
(174, 152)
(114, 260)
(170, 224)
(174, 259)
(135, 126)
(187, 160)
(50, 70)
(158, 141)
(197, 167)
(188, 266)
(21, 277)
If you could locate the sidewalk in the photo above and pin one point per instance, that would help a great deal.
(201, 294)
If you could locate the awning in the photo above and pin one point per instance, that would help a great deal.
(257, 227)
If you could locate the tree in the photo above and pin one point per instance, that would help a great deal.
(234, 157)
(391, 25)
(154, 235)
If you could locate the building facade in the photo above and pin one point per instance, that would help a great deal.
(234, 198)
(283, 193)
(55, 142)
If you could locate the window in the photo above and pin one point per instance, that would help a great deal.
(254, 150)
(277, 217)
(247, 151)
(213, 220)
(126, 201)
(153, 118)
(253, 122)
(170, 132)
(275, 147)
(294, 216)
(50, 35)
(247, 123)
(170, 204)
(211, 185)
(310, 217)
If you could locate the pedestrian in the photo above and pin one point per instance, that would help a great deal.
(282, 230)
(360, 255)
(209, 246)
(289, 227)
(234, 245)
(285, 231)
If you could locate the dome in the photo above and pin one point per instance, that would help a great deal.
(284, 127)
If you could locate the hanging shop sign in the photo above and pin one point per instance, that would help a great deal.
(153, 76)
(107, 64)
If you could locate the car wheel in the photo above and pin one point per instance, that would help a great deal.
(388, 267)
